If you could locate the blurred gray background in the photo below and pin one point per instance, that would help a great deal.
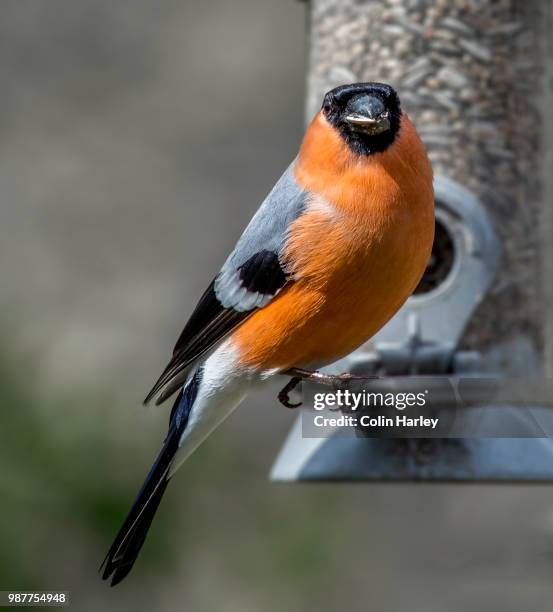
(137, 138)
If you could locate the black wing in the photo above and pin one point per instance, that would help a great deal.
(257, 281)
(249, 279)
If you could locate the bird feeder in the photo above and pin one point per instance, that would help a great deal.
(471, 76)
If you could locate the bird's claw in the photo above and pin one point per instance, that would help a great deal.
(284, 395)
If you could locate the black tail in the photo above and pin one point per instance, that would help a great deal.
(128, 542)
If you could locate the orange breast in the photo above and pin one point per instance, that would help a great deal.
(357, 253)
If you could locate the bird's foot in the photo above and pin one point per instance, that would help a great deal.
(325, 379)
(299, 374)
(284, 395)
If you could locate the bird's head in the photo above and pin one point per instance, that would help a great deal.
(367, 115)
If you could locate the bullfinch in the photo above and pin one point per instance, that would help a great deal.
(335, 249)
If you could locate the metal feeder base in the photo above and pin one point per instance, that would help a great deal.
(351, 459)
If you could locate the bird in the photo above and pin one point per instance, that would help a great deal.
(334, 250)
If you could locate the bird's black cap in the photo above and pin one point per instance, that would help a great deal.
(367, 115)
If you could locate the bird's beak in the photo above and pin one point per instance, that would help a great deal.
(360, 120)
(366, 113)
(369, 125)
